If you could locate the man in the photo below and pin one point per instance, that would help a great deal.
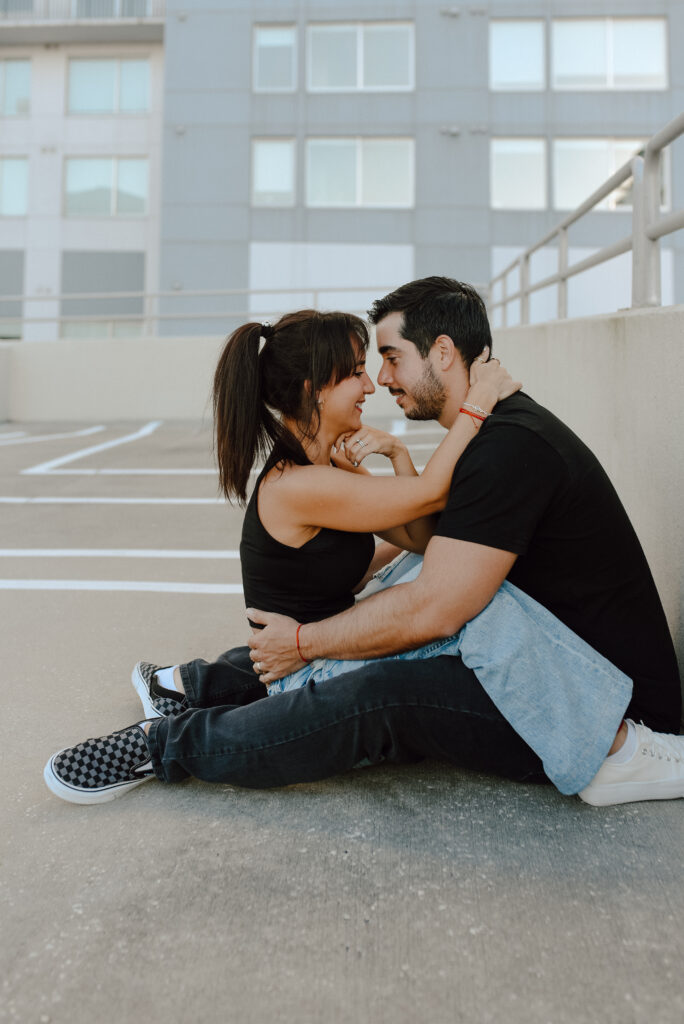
(528, 503)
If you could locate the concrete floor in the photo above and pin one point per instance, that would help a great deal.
(386, 895)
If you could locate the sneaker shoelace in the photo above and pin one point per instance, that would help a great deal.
(661, 746)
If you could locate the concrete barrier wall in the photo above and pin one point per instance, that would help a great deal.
(125, 378)
(5, 376)
(618, 381)
(119, 379)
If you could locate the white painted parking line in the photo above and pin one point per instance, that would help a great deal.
(114, 553)
(7, 439)
(134, 472)
(125, 586)
(15, 500)
(46, 467)
(6, 434)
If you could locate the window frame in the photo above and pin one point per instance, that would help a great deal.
(358, 140)
(4, 61)
(545, 176)
(6, 158)
(610, 203)
(360, 27)
(610, 86)
(295, 57)
(254, 142)
(116, 111)
(545, 56)
(114, 188)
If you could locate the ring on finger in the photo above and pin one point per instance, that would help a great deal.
(257, 666)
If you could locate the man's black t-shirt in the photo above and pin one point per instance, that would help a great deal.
(528, 485)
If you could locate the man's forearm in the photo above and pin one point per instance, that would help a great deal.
(397, 619)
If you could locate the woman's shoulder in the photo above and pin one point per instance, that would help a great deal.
(290, 479)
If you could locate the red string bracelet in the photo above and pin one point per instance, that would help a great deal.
(474, 415)
(299, 650)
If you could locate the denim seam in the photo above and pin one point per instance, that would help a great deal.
(188, 683)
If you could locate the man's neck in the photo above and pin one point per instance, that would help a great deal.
(454, 401)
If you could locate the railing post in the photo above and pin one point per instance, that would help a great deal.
(524, 290)
(645, 251)
(562, 270)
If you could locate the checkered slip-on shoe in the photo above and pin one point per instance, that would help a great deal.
(100, 769)
(156, 701)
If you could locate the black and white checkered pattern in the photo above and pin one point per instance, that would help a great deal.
(121, 757)
(155, 702)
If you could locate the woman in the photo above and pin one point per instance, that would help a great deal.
(294, 393)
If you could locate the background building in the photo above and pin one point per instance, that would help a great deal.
(281, 151)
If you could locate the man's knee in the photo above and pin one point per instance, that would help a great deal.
(237, 658)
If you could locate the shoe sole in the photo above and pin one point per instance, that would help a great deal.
(73, 795)
(140, 688)
(632, 792)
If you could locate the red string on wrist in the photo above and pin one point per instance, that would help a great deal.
(473, 415)
(299, 650)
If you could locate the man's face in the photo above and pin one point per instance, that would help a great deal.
(411, 379)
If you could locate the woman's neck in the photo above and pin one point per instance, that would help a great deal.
(317, 449)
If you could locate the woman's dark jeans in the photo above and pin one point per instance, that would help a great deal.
(397, 711)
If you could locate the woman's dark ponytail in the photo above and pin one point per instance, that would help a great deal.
(240, 433)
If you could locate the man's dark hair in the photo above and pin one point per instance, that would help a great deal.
(434, 306)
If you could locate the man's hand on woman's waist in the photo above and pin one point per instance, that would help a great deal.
(273, 649)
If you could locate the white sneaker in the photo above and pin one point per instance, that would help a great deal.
(654, 772)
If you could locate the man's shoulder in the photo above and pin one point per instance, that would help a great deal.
(522, 410)
(518, 419)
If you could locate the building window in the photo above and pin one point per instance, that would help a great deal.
(15, 88)
(273, 172)
(360, 172)
(109, 86)
(580, 166)
(12, 278)
(13, 186)
(517, 55)
(373, 57)
(106, 187)
(518, 174)
(609, 53)
(275, 58)
(100, 273)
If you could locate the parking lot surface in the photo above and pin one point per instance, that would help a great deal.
(390, 895)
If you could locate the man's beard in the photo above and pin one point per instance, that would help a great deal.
(429, 397)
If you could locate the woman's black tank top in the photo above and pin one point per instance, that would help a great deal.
(309, 583)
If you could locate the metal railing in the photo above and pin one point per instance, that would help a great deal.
(647, 228)
(156, 308)
(80, 10)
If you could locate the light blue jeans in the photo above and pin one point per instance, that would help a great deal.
(558, 693)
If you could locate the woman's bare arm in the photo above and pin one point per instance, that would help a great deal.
(320, 496)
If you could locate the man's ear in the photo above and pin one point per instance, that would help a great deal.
(444, 352)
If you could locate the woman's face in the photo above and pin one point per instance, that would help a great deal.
(340, 405)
